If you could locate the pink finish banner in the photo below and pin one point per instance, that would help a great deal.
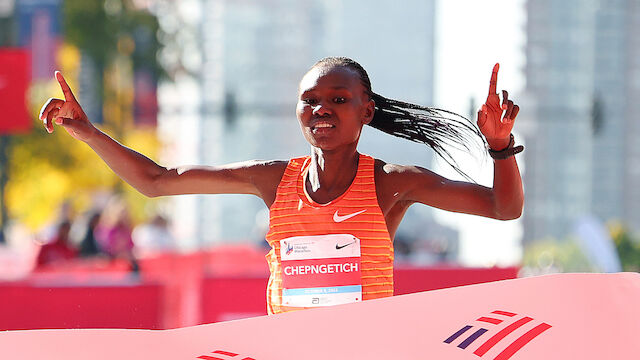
(565, 316)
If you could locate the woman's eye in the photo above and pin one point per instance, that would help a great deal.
(309, 101)
(339, 100)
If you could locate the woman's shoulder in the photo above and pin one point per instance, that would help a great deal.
(398, 177)
(268, 167)
(393, 170)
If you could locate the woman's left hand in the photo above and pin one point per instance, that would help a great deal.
(493, 124)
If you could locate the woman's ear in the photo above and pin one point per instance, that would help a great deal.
(369, 112)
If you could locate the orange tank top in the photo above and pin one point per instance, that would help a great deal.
(298, 225)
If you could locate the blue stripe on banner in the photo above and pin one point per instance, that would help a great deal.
(458, 333)
(472, 338)
(323, 290)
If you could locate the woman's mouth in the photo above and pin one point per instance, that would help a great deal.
(322, 127)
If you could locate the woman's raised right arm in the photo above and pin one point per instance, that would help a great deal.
(151, 179)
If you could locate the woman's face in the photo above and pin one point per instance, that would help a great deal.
(332, 107)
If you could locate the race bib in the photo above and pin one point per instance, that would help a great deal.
(320, 270)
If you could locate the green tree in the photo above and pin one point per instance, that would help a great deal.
(627, 245)
(553, 256)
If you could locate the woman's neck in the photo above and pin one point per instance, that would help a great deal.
(331, 173)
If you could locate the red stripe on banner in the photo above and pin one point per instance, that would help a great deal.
(522, 341)
(505, 313)
(248, 358)
(207, 357)
(500, 335)
(489, 320)
(225, 353)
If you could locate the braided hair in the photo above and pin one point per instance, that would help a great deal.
(436, 128)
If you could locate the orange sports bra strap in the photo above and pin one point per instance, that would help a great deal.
(365, 176)
(292, 171)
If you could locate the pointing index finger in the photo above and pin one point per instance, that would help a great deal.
(494, 80)
(68, 94)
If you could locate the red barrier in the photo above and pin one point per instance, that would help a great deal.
(226, 299)
(181, 276)
(27, 305)
(408, 280)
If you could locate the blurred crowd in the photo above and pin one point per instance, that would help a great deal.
(105, 233)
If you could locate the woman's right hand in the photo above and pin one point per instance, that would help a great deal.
(67, 113)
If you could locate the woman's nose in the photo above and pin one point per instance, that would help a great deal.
(321, 110)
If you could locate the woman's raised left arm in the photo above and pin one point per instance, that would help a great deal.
(496, 126)
(503, 201)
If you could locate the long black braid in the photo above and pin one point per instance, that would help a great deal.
(437, 128)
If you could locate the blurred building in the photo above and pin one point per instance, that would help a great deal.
(632, 109)
(237, 101)
(581, 73)
(39, 31)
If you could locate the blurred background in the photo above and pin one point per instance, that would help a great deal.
(215, 81)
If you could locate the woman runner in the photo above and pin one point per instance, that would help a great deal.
(334, 213)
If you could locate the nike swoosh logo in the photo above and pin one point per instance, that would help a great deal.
(337, 218)
(338, 247)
